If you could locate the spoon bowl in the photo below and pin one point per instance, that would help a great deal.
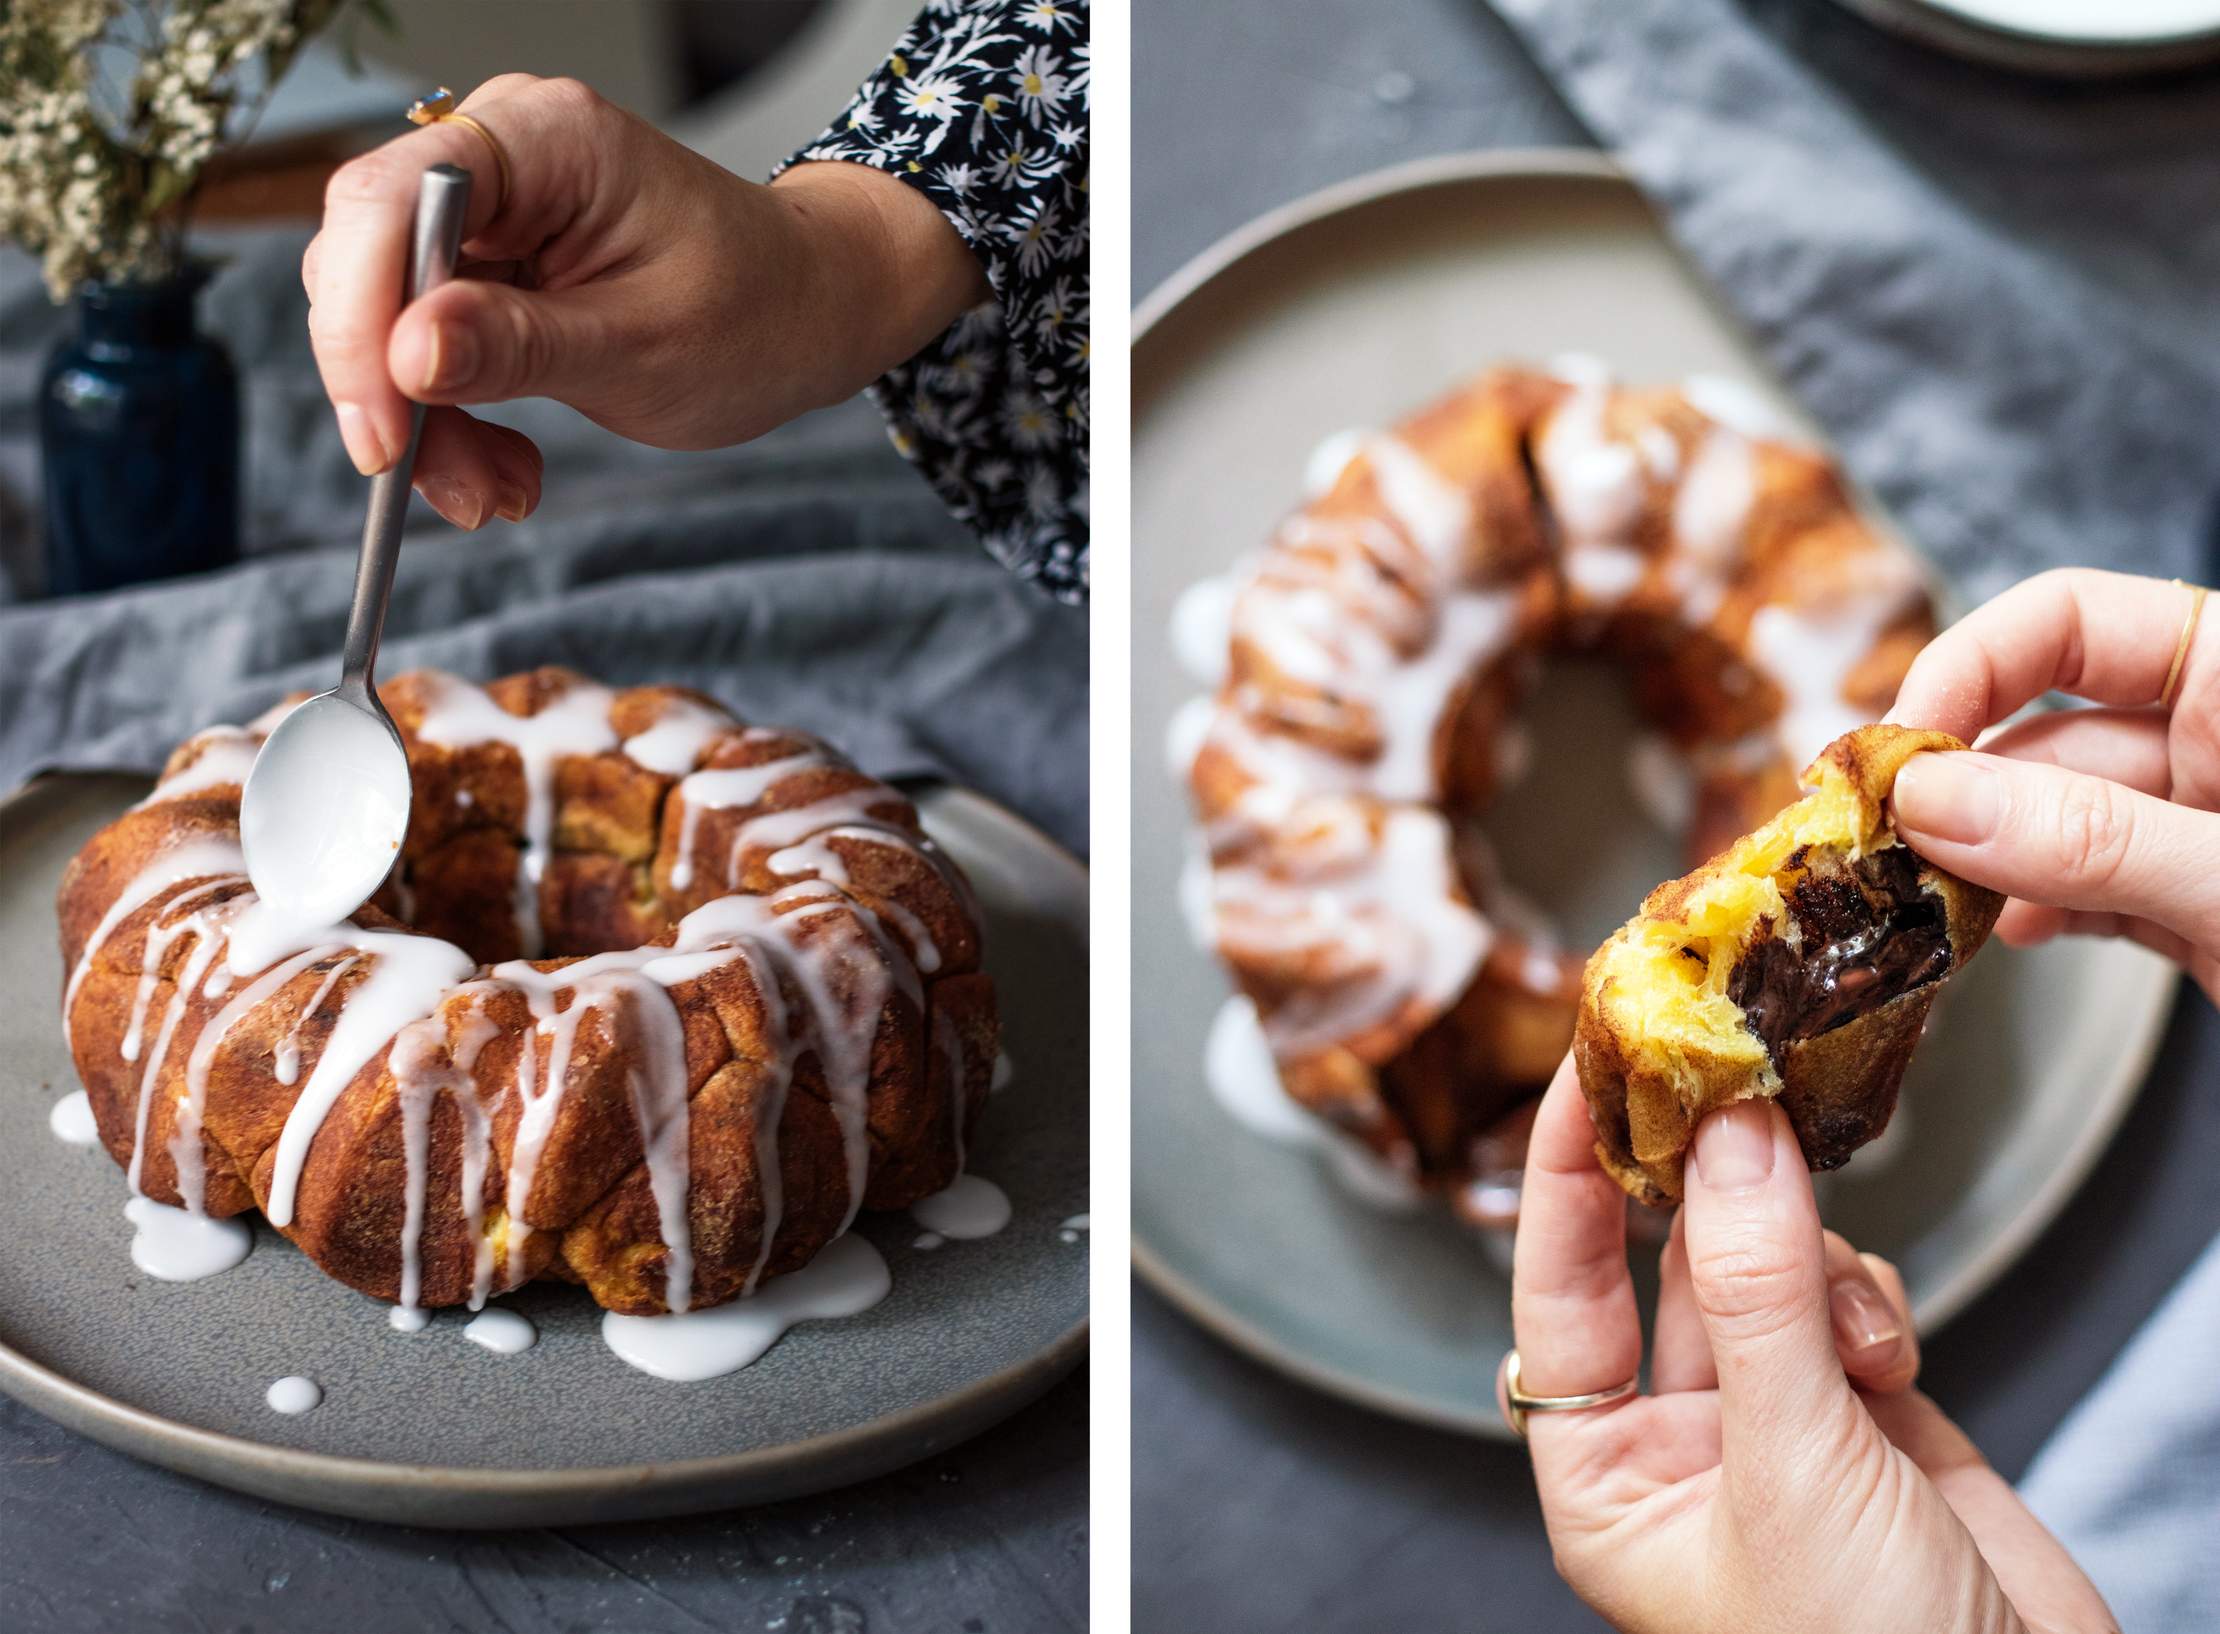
(326, 806)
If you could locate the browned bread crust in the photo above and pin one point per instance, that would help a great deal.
(900, 936)
(1799, 963)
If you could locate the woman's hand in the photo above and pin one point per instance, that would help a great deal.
(654, 292)
(1780, 1475)
(2102, 820)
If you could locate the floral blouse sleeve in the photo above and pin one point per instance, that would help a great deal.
(982, 107)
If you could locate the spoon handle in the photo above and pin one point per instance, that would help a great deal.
(441, 201)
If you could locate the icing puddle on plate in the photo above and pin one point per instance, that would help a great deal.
(847, 1278)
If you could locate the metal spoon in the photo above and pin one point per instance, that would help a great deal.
(327, 803)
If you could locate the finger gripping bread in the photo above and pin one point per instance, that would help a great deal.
(1799, 963)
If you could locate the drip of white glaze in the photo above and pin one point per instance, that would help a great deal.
(1387, 920)
(1809, 653)
(574, 724)
(950, 1043)
(504, 1332)
(846, 1279)
(407, 1319)
(928, 1241)
(969, 1209)
(422, 1071)
(1434, 513)
(815, 854)
(1202, 622)
(212, 1034)
(1004, 1071)
(170, 924)
(71, 1120)
(724, 789)
(226, 756)
(293, 1394)
(286, 1061)
(675, 742)
(1186, 733)
(1738, 407)
(406, 979)
(195, 859)
(1245, 1081)
(172, 1245)
(1329, 459)
(206, 925)
(1070, 1230)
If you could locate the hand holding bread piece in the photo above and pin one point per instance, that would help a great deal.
(1799, 964)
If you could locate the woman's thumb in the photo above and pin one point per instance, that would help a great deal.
(1757, 1267)
(2063, 838)
(472, 341)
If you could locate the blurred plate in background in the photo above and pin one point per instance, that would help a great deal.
(2080, 38)
(1354, 307)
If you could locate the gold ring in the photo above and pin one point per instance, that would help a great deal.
(2181, 647)
(1520, 1403)
(439, 108)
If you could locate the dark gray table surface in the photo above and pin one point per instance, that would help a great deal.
(1257, 1503)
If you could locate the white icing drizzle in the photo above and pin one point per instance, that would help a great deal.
(1809, 653)
(573, 724)
(928, 1241)
(1245, 1081)
(172, 1245)
(1202, 619)
(675, 742)
(71, 1120)
(1434, 514)
(1329, 459)
(1596, 486)
(504, 1332)
(846, 1279)
(1388, 922)
(1070, 1230)
(202, 858)
(969, 1209)
(286, 1061)
(422, 1070)
(1004, 1071)
(723, 790)
(1739, 407)
(293, 1394)
(226, 756)
(405, 1319)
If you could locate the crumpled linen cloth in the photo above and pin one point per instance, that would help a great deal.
(2000, 298)
(809, 579)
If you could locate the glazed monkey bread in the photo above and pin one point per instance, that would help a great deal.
(1368, 666)
(1799, 963)
(655, 1001)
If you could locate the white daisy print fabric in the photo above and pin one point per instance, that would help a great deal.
(983, 106)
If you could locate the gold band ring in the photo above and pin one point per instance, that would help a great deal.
(1520, 1403)
(2181, 647)
(439, 108)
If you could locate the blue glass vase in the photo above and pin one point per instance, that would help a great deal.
(139, 433)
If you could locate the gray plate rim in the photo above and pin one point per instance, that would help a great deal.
(366, 1487)
(2109, 1105)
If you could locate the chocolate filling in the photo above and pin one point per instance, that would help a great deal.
(1869, 934)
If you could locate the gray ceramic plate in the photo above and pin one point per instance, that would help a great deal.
(1351, 308)
(430, 1429)
(2083, 41)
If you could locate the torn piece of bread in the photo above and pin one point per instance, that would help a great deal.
(1798, 963)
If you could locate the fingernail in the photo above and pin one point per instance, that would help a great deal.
(1947, 797)
(1734, 1148)
(453, 501)
(451, 359)
(513, 503)
(1863, 1319)
(361, 437)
